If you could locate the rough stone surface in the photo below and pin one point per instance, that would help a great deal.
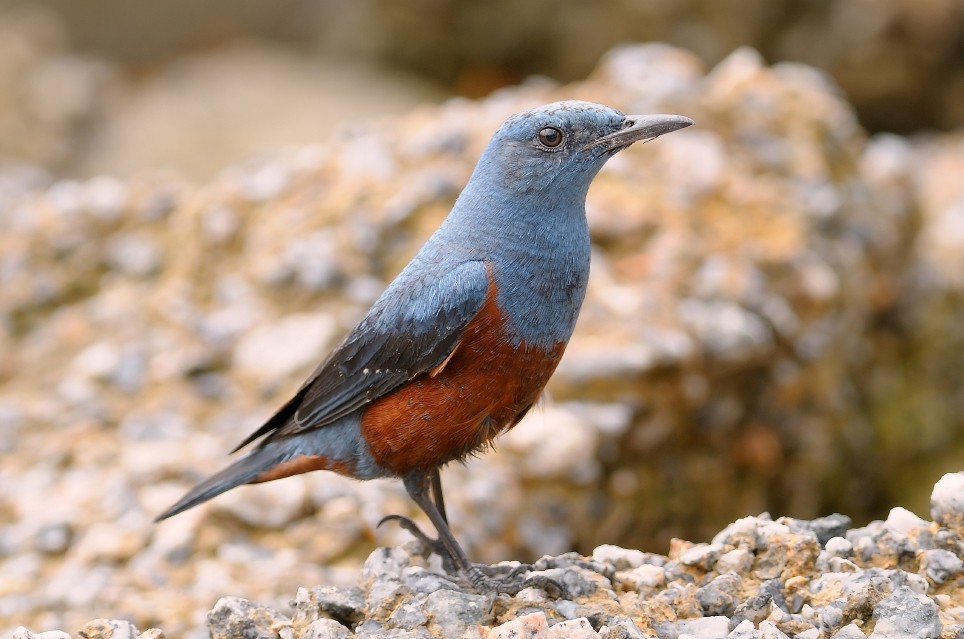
(399, 593)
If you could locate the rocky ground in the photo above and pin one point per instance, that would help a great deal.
(757, 579)
(772, 323)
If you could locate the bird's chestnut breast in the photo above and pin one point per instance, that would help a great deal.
(485, 386)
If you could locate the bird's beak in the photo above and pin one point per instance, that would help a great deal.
(640, 127)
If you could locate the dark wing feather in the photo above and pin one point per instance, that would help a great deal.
(411, 329)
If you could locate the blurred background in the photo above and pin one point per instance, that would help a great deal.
(197, 200)
(113, 86)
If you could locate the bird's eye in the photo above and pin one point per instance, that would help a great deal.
(550, 137)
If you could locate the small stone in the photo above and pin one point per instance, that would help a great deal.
(947, 501)
(738, 560)
(701, 555)
(812, 633)
(850, 631)
(423, 581)
(720, 596)
(826, 528)
(274, 351)
(620, 558)
(744, 630)
(570, 629)
(271, 505)
(108, 629)
(133, 254)
(769, 630)
(22, 633)
(525, 627)
(645, 576)
(408, 616)
(234, 617)
(452, 612)
(705, 628)
(839, 547)
(906, 614)
(903, 521)
(344, 605)
(105, 196)
(726, 330)
(326, 629)
(939, 565)
(620, 627)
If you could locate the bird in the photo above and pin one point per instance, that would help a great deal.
(459, 347)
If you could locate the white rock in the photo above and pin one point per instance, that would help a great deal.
(326, 629)
(947, 498)
(705, 628)
(903, 521)
(268, 505)
(270, 353)
(571, 629)
(622, 558)
(553, 442)
(526, 626)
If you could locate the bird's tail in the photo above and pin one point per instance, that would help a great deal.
(245, 470)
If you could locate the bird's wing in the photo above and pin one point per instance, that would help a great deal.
(410, 330)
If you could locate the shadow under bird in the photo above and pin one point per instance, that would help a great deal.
(459, 347)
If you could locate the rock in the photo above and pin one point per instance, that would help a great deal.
(705, 628)
(530, 626)
(22, 633)
(620, 558)
(903, 521)
(450, 613)
(326, 629)
(720, 596)
(271, 352)
(234, 617)
(109, 629)
(744, 630)
(850, 631)
(947, 501)
(906, 614)
(940, 565)
(343, 605)
(620, 627)
(574, 628)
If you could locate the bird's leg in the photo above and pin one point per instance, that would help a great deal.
(437, 494)
(433, 545)
(417, 485)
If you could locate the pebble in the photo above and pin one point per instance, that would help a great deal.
(906, 614)
(947, 501)
(271, 352)
(326, 629)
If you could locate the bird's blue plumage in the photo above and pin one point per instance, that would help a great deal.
(461, 343)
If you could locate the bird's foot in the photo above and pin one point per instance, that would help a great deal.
(433, 545)
(485, 578)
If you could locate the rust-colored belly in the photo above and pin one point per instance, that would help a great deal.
(485, 387)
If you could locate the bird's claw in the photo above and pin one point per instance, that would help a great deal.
(485, 578)
(511, 584)
(433, 545)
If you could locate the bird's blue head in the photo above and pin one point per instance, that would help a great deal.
(555, 150)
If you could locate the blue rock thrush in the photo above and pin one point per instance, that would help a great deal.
(461, 344)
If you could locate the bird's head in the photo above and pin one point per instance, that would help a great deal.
(558, 148)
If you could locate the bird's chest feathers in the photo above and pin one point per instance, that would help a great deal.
(541, 288)
(484, 387)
